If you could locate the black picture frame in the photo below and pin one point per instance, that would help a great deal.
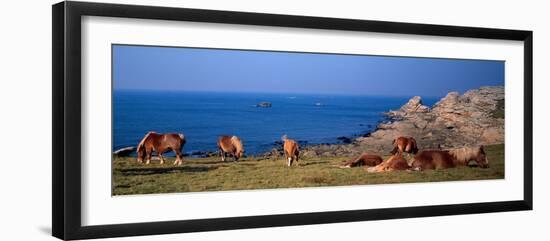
(66, 158)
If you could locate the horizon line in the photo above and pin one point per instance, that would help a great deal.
(278, 93)
(296, 93)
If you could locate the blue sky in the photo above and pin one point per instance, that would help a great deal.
(194, 69)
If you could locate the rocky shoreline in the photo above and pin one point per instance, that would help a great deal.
(474, 118)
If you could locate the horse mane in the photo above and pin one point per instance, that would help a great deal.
(237, 143)
(142, 142)
(465, 154)
(284, 137)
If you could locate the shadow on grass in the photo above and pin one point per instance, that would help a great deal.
(215, 162)
(208, 162)
(163, 170)
(313, 163)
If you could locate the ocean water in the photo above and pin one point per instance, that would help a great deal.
(202, 117)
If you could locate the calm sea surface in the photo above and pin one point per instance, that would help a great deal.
(203, 116)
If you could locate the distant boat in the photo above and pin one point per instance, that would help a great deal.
(318, 104)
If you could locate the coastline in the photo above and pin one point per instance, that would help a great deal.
(203, 117)
(473, 118)
(455, 120)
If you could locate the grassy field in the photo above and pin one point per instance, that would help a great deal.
(211, 174)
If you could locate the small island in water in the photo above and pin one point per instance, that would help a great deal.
(264, 104)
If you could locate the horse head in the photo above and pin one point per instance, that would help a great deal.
(141, 147)
(239, 149)
(140, 153)
(481, 158)
(466, 154)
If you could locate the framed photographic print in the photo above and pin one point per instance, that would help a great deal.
(169, 120)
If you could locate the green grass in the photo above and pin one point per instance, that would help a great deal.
(211, 174)
(499, 110)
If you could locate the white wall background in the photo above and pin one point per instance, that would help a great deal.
(25, 104)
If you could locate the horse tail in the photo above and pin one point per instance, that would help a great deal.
(414, 146)
(182, 138)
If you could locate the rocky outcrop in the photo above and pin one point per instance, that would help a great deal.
(414, 105)
(123, 152)
(455, 121)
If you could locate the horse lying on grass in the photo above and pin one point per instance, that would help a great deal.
(160, 143)
(230, 145)
(442, 159)
(394, 163)
(435, 159)
(363, 160)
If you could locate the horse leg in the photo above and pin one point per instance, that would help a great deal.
(161, 158)
(223, 156)
(148, 156)
(179, 157)
(177, 161)
(410, 159)
(289, 161)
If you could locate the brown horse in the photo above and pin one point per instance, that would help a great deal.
(404, 144)
(230, 145)
(395, 162)
(363, 160)
(160, 143)
(291, 150)
(441, 159)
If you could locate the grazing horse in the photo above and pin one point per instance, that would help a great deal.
(231, 145)
(441, 159)
(404, 144)
(395, 162)
(291, 150)
(160, 143)
(363, 160)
